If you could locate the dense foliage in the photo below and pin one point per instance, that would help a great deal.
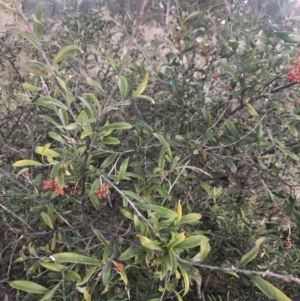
(161, 170)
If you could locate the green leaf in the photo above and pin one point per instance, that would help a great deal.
(190, 218)
(109, 160)
(49, 295)
(161, 211)
(207, 116)
(95, 185)
(94, 200)
(122, 83)
(72, 276)
(164, 143)
(149, 243)
(176, 239)
(29, 287)
(129, 253)
(31, 88)
(91, 271)
(293, 130)
(64, 52)
(163, 192)
(193, 15)
(122, 170)
(287, 36)
(21, 163)
(291, 206)
(111, 141)
(102, 239)
(186, 279)
(50, 102)
(191, 242)
(46, 218)
(146, 97)
(251, 110)
(106, 273)
(38, 27)
(39, 12)
(232, 129)
(95, 84)
(249, 256)
(281, 146)
(268, 289)
(55, 267)
(142, 86)
(75, 258)
(230, 69)
(28, 37)
(117, 126)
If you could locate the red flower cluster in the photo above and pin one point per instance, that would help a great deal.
(52, 184)
(101, 192)
(294, 73)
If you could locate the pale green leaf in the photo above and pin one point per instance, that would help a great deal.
(46, 218)
(142, 86)
(29, 287)
(75, 258)
(64, 52)
(122, 83)
(268, 289)
(21, 163)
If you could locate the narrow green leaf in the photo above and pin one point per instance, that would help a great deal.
(249, 256)
(149, 243)
(251, 110)
(191, 242)
(111, 141)
(161, 211)
(230, 69)
(106, 273)
(38, 27)
(64, 52)
(102, 239)
(142, 86)
(268, 289)
(94, 200)
(232, 129)
(21, 163)
(46, 218)
(193, 15)
(164, 143)
(39, 11)
(72, 276)
(131, 252)
(293, 130)
(190, 218)
(49, 102)
(186, 279)
(31, 88)
(95, 185)
(55, 267)
(122, 170)
(29, 287)
(28, 37)
(95, 84)
(108, 161)
(74, 258)
(146, 98)
(88, 275)
(122, 83)
(49, 295)
(163, 192)
(117, 126)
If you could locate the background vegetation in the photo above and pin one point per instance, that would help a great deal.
(151, 169)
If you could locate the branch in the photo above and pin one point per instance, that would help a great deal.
(286, 278)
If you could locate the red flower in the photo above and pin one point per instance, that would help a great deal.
(101, 192)
(52, 184)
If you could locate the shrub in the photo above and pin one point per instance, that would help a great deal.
(155, 170)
